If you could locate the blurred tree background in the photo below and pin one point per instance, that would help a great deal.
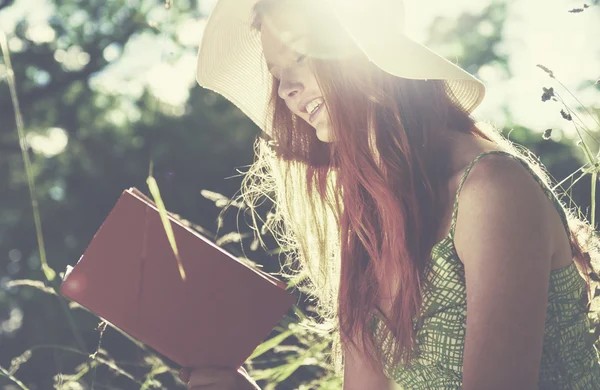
(95, 117)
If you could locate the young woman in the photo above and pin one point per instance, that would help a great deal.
(437, 251)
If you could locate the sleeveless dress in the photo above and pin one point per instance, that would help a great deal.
(569, 357)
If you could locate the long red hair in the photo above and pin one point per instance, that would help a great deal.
(390, 169)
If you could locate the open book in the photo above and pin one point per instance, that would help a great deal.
(129, 276)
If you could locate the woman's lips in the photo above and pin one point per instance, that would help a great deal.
(314, 114)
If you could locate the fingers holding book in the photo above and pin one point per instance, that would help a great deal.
(217, 378)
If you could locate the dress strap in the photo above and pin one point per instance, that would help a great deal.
(548, 191)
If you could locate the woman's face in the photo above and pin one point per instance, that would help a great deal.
(298, 86)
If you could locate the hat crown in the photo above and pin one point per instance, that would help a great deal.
(371, 17)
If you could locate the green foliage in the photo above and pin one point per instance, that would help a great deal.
(53, 203)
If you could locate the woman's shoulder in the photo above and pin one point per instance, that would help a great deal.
(500, 202)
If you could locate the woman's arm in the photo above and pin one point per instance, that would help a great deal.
(359, 375)
(504, 238)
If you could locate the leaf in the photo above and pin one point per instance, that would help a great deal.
(291, 367)
(232, 237)
(38, 284)
(270, 344)
(153, 187)
(150, 382)
(213, 196)
(300, 313)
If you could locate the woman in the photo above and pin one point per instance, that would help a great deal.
(369, 148)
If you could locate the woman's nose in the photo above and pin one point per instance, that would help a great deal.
(289, 88)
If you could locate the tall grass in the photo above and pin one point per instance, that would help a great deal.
(592, 166)
(273, 361)
(291, 348)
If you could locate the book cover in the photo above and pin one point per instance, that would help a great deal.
(129, 276)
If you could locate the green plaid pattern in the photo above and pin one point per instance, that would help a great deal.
(569, 358)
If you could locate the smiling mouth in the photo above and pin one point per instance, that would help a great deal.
(316, 112)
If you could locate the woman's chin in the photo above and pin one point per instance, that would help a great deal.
(323, 134)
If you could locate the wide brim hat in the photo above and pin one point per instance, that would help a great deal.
(231, 60)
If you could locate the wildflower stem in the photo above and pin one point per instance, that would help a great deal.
(581, 104)
(5, 373)
(49, 273)
(582, 169)
(586, 149)
(575, 182)
(574, 115)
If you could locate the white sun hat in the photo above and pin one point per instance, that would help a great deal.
(231, 61)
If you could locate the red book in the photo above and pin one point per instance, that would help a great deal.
(129, 276)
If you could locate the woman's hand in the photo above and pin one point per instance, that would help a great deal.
(217, 378)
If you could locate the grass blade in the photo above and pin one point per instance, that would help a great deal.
(4, 373)
(270, 344)
(153, 187)
(49, 273)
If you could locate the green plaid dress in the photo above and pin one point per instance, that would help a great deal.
(569, 358)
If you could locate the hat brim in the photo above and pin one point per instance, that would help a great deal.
(231, 62)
